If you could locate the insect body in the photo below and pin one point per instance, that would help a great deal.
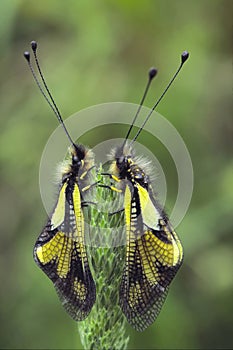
(60, 249)
(153, 250)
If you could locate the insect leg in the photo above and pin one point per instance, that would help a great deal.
(111, 188)
(84, 174)
(111, 176)
(87, 203)
(116, 212)
(90, 186)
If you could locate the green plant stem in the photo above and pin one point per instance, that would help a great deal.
(104, 328)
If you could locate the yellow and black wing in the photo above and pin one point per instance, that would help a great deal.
(153, 257)
(60, 252)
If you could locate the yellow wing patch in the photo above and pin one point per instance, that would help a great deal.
(127, 207)
(149, 212)
(59, 212)
(57, 249)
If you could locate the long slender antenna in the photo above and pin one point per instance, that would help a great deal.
(151, 74)
(51, 102)
(184, 57)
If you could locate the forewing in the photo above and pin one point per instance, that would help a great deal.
(60, 252)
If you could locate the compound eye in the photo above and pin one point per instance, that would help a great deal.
(75, 159)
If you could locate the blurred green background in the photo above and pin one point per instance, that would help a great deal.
(99, 51)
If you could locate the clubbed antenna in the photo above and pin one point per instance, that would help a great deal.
(184, 57)
(152, 73)
(48, 98)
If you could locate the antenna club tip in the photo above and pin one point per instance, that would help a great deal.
(33, 45)
(152, 72)
(27, 55)
(184, 56)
